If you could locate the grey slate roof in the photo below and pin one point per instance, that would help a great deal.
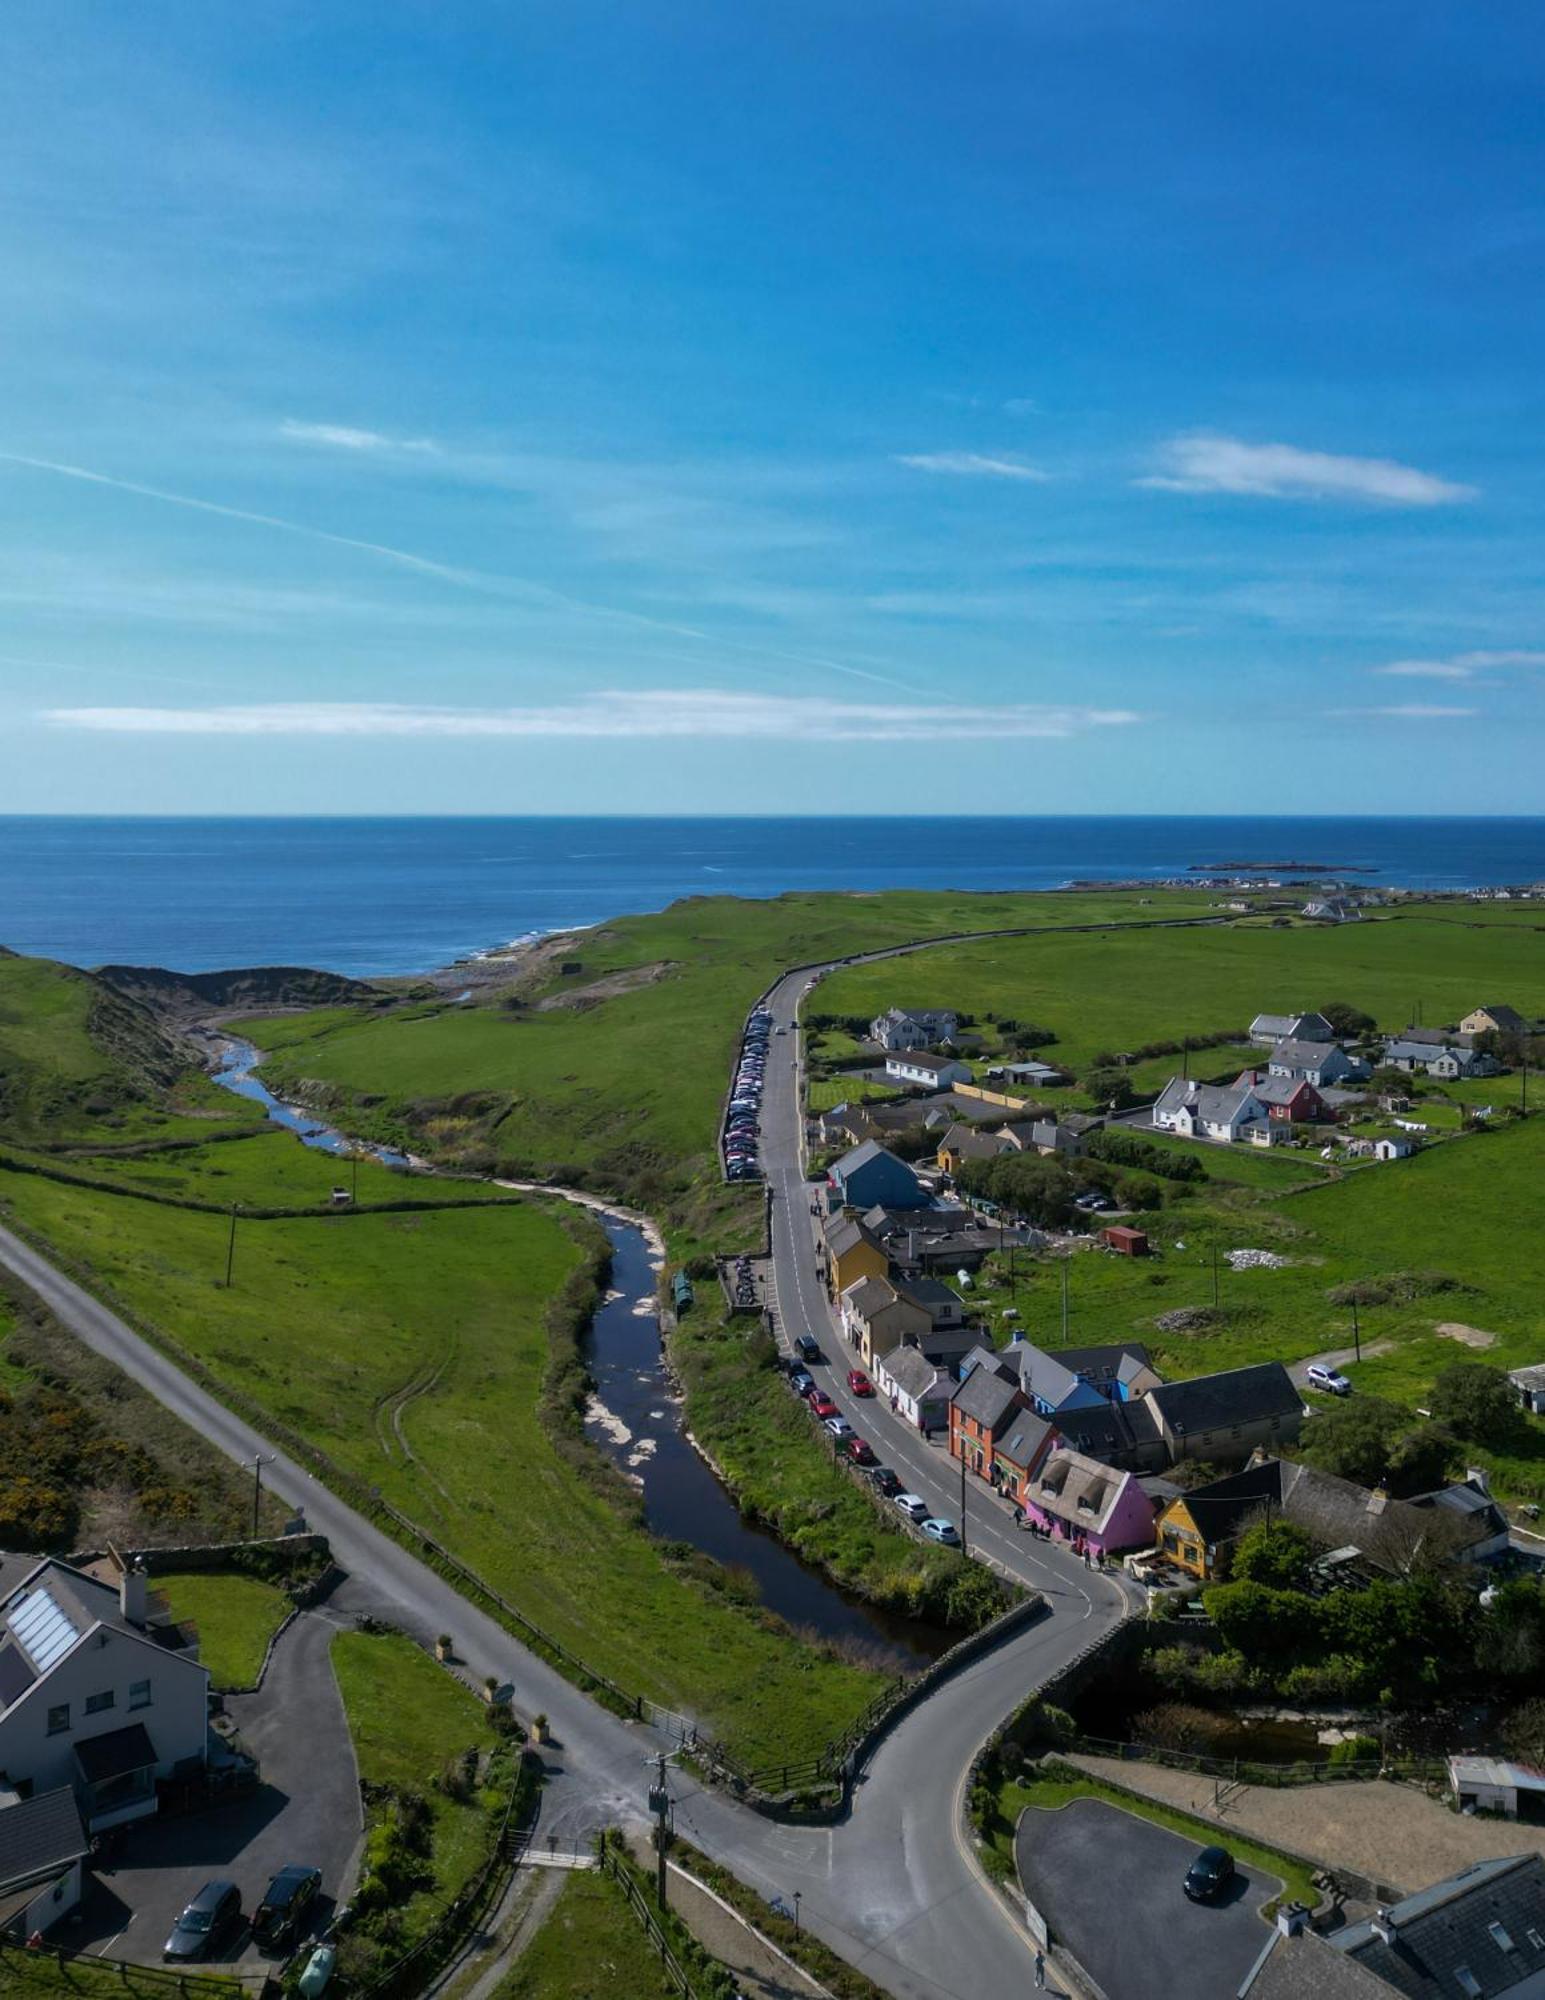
(870, 1295)
(1237, 1396)
(1023, 1439)
(913, 1373)
(1488, 1921)
(1303, 1055)
(985, 1397)
(1308, 1027)
(1111, 1431)
(39, 1838)
(1309, 1967)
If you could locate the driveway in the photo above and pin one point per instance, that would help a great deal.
(306, 1810)
(1108, 1884)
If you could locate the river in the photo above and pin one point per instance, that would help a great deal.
(635, 1417)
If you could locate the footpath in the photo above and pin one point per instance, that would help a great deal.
(1357, 1824)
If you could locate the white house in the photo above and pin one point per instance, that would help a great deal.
(1398, 1148)
(1266, 1030)
(1320, 1063)
(1451, 1064)
(1208, 1111)
(919, 1391)
(91, 1695)
(935, 1072)
(913, 1027)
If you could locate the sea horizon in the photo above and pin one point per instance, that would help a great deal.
(394, 894)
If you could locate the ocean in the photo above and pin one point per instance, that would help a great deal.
(377, 896)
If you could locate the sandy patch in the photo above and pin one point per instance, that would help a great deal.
(591, 995)
(1468, 1336)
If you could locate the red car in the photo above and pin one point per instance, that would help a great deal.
(858, 1451)
(823, 1407)
(859, 1382)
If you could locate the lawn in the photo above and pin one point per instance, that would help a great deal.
(34, 1975)
(591, 1947)
(411, 1722)
(236, 1617)
(412, 1349)
(1060, 1784)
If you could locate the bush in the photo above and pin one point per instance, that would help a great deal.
(1478, 1402)
(1355, 1750)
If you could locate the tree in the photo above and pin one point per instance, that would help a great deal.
(1479, 1403)
(1511, 1641)
(1262, 1622)
(1347, 1019)
(1273, 1552)
(1354, 1438)
(1109, 1087)
(1523, 1733)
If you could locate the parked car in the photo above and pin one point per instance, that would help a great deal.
(858, 1451)
(285, 1906)
(808, 1348)
(1209, 1875)
(913, 1505)
(939, 1530)
(822, 1406)
(840, 1428)
(886, 1482)
(1331, 1380)
(800, 1382)
(859, 1382)
(210, 1919)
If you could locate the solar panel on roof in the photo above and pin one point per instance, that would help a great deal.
(45, 1630)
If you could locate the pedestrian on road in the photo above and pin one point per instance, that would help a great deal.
(1040, 1969)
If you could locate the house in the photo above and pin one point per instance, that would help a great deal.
(1395, 1146)
(1331, 910)
(1120, 1433)
(1451, 1065)
(1494, 1021)
(1289, 1100)
(913, 1027)
(876, 1317)
(852, 1252)
(1222, 1113)
(1228, 1415)
(869, 1174)
(982, 1409)
(78, 1660)
(1390, 1535)
(965, 1142)
(1493, 1785)
(1065, 1137)
(1479, 1935)
(922, 1241)
(932, 1072)
(1467, 1521)
(1266, 1030)
(1097, 1508)
(1319, 1063)
(917, 1390)
(1530, 1384)
(846, 1125)
(1018, 1453)
(42, 1847)
(1040, 1075)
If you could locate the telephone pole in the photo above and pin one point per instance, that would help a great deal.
(230, 1247)
(1357, 1336)
(660, 1806)
(1215, 1275)
(962, 1495)
(1065, 1263)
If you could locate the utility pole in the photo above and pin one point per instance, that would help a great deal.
(257, 1490)
(1215, 1275)
(660, 1805)
(354, 1186)
(962, 1495)
(1357, 1336)
(1065, 1263)
(230, 1248)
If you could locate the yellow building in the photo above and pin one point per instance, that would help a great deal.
(851, 1254)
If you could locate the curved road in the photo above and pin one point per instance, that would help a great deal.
(891, 1887)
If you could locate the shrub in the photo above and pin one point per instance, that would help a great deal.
(1355, 1750)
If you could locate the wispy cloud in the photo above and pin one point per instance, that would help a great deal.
(1421, 711)
(650, 712)
(1204, 462)
(342, 437)
(970, 465)
(1462, 667)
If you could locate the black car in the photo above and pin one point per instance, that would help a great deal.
(884, 1479)
(286, 1903)
(1209, 1875)
(212, 1916)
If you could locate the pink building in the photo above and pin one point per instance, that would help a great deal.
(1094, 1507)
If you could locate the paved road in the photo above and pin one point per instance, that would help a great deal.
(1158, 1942)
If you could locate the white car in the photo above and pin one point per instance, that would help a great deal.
(839, 1427)
(1331, 1380)
(913, 1505)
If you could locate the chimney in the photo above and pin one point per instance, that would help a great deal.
(1383, 1925)
(1475, 1475)
(1291, 1919)
(133, 1592)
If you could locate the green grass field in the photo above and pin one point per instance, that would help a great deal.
(411, 1348)
(236, 1617)
(591, 1947)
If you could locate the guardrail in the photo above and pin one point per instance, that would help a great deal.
(1262, 1772)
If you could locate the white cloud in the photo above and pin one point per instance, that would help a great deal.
(970, 465)
(1462, 667)
(344, 438)
(1421, 711)
(650, 712)
(1202, 462)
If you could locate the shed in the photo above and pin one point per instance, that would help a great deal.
(1530, 1384)
(1128, 1242)
(1492, 1784)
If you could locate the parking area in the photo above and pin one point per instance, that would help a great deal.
(305, 1811)
(1108, 1884)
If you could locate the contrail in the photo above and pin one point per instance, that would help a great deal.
(467, 579)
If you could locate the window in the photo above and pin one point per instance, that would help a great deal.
(59, 1719)
(139, 1694)
(96, 1703)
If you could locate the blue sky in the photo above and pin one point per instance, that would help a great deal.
(812, 406)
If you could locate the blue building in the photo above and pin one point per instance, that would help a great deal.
(869, 1177)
